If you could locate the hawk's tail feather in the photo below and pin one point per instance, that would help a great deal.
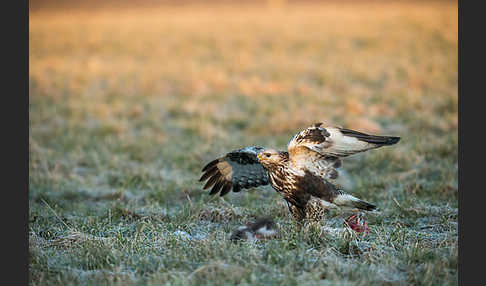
(347, 200)
(210, 164)
(364, 205)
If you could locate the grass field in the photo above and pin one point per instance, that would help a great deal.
(126, 106)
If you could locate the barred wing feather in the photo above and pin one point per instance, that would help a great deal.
(239, 169)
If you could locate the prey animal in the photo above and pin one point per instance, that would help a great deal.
(261, 229)
(302, 174)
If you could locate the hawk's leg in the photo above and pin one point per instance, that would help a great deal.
(315, 210)
(298, 213)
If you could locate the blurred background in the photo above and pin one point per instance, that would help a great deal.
(154, 89)
(128, 100)
(131, 79)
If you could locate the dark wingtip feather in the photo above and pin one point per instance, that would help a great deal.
(226, 188)
(211, 181)
(204, 177)
(393, 140)
(216, 187)
(210, 164)
(210, 172)
(374, 139)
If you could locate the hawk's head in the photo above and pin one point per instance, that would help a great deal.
(271, 158)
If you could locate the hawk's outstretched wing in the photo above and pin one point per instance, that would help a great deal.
(337, 141)
(239, 169)
(320, 148)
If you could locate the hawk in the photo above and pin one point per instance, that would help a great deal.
(301, 174)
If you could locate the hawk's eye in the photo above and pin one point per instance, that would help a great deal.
(267, 155)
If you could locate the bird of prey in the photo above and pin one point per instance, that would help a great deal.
(301, 174)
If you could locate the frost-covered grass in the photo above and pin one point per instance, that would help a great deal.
(127, 106)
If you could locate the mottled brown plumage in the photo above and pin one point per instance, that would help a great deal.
(297, 186)
(299, 175)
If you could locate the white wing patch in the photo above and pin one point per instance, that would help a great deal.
(341, 145)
